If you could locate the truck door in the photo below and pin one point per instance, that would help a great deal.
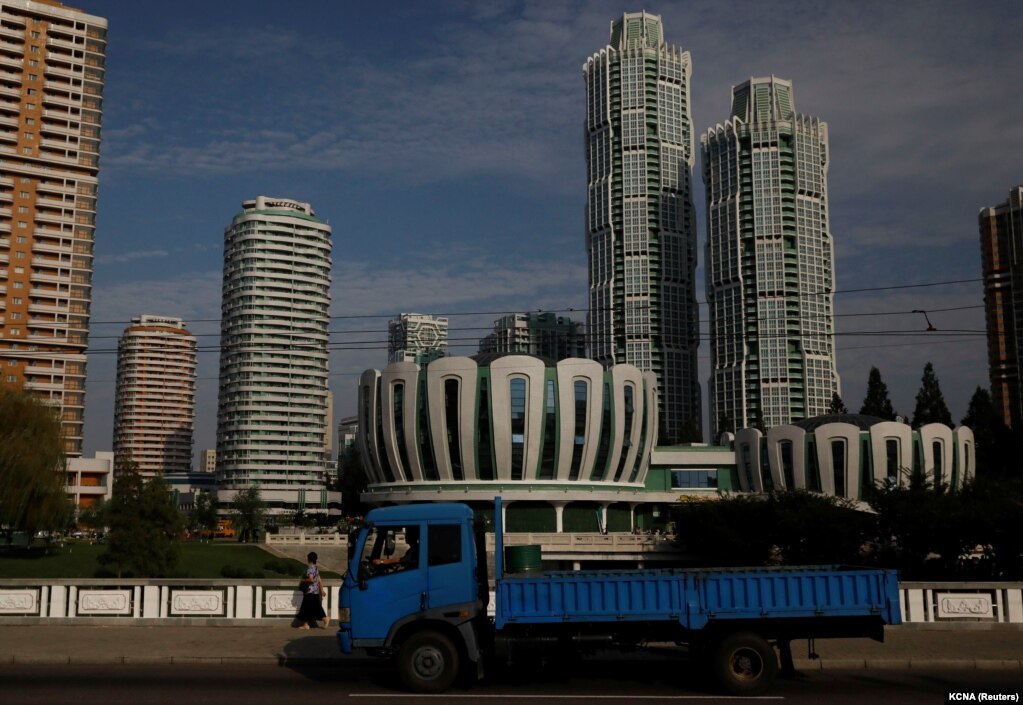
(393, 571)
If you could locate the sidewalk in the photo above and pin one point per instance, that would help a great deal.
(904, 648)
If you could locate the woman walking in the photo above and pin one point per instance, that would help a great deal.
(311, 610)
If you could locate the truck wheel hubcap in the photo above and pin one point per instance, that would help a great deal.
(746, 664)
(428, 662)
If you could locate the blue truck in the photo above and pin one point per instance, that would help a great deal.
(417, 590)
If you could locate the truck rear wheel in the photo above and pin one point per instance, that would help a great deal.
(744, 664)
(428, 662)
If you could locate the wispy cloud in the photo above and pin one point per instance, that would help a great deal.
(125, 257)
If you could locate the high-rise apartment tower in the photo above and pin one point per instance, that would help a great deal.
(154, 411)
(769, 262)
(51, 86)
(272, 412)
(640, 223)
(543, 334)
(416, 337)
(1001, 247)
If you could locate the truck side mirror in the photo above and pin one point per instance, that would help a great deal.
(353, 535)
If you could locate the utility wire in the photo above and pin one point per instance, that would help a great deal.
(585, 310)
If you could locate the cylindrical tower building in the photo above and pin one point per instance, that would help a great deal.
(272, 411)
(640, 222)
(154, 412)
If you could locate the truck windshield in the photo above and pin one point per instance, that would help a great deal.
(389, 549)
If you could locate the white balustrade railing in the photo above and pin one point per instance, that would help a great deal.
(157, 599)
(170, 601)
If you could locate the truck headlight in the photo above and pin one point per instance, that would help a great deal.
(344, 615)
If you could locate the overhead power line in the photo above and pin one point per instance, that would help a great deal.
(450, 314)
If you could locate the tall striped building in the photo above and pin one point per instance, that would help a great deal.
(1001, 247)
(51, 103)
(640, 223)
(154, 410)
(273, 416)
(770, 261)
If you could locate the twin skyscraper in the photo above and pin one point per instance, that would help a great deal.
(769, 253)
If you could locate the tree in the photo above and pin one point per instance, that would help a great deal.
(923, 530)
(796, 520)
(352, 482)
(690, 431)
(780, 527)
(204, 515)
(96, 516)
(145, 525)
(876, 402)
(930, 403)
(727, 532)
(998, 447)
(725, 424)
(248, 512)
(837, 406)
(33, 493)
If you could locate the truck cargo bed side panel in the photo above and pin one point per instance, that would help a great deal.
(793, 594)
(694, 598)
(589, 597)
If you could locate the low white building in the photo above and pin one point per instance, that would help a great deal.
(90, 479)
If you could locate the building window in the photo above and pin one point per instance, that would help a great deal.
(398, 407)
(629, 393)
(891, 447)
(788, 468)
(600, 466)
(838, 461)
(381, 453)
(937, 448)
(548, 459)
(485, 458)
(694, 479)
(451, 402)
(430, 471)
(518, 427)
(579, 440)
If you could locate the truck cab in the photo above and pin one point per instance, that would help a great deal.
(412, 588)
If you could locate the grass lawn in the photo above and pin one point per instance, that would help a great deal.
(78, 559)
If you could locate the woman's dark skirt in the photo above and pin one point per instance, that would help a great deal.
(311, 609)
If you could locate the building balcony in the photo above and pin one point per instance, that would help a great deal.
(31, 369)
(47, 308)
(61, 43)
(59, 70)
(60, 99)
(63, 247)
(61, 125)
(44, 386)
(17, 35)
(58, 145)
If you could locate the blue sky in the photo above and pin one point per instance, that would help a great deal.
(443, 142)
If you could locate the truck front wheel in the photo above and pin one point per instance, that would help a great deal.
(744, 664)
(428, 662)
